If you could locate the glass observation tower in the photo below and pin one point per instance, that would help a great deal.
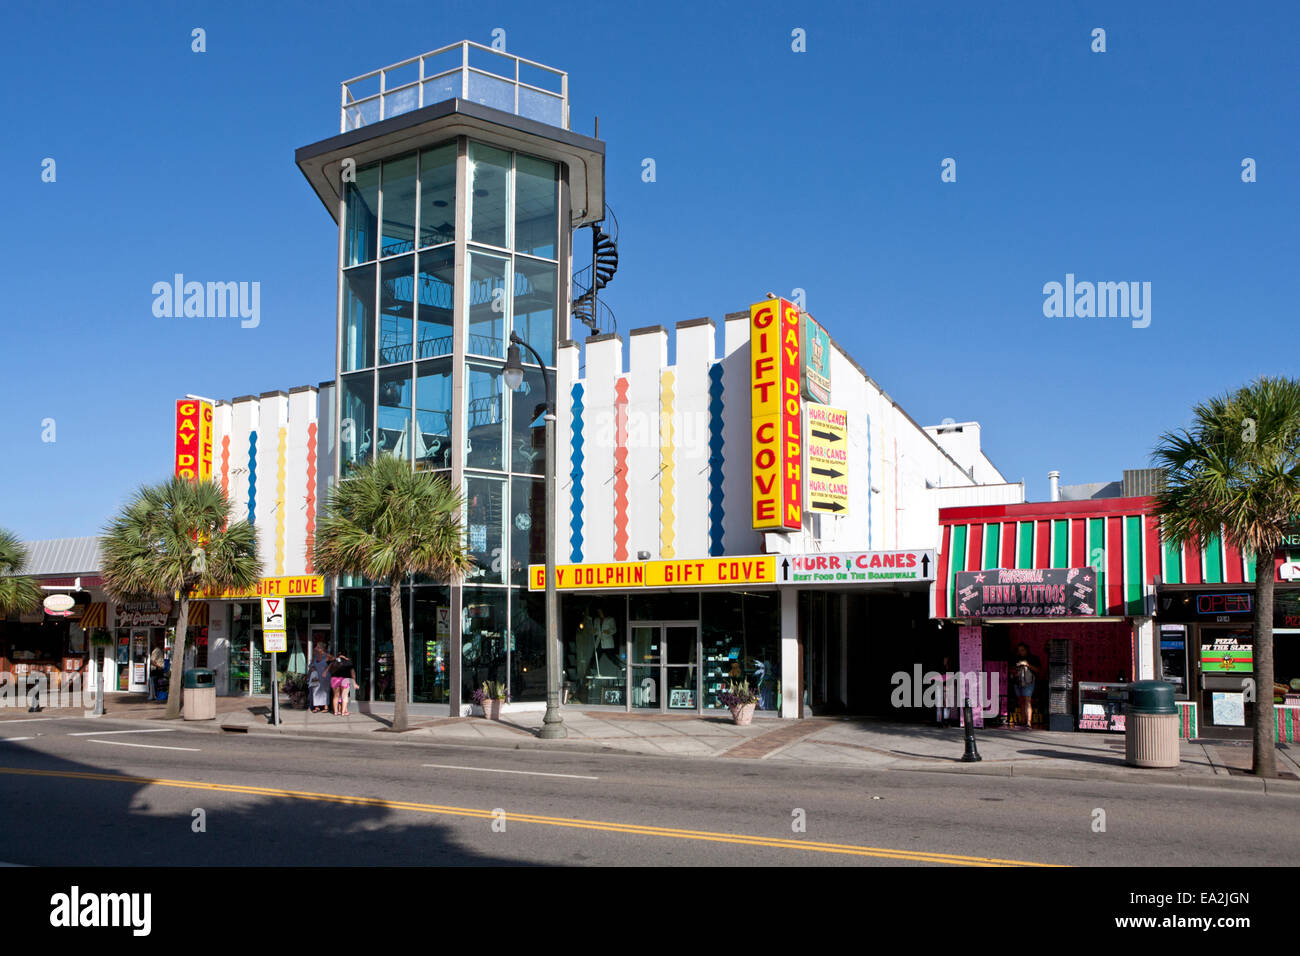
(456, 185)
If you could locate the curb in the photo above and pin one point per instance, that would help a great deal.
(1007, 769)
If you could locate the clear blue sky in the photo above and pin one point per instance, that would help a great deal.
(775, 170)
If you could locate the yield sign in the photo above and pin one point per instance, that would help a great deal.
(272, 614)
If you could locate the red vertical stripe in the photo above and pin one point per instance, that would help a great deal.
(1152, 526)
(1043, 544)
(1008, 544)
(1079, 543)
(941, 573)
(975, 548)
(1192, 561)
(1115, 564)
(1232, 564)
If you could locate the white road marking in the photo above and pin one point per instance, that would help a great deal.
(123, 743)
(528, 773)
(101, 733)
(17, 738)
(28, 720)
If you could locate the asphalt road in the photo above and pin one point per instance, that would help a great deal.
(97, 792)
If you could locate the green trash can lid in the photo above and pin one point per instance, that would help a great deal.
(200, 677)
(1151, 697)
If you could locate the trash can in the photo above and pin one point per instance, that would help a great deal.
(199, 698)
(1151, 725)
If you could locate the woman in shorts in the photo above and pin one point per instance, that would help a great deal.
(341, 682)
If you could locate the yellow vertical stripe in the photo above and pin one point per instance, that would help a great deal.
(667, 467)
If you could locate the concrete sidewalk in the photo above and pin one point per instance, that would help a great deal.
(817, 741)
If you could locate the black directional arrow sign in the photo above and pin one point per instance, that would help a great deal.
(827, 472)
(827, 436)
(827, 505)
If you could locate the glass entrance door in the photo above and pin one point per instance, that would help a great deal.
(663, 672)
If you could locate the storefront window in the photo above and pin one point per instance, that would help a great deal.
(527, 644)
(394, 414)
(489, 175)
(239, 661)
(358, 318)
(534, 306)
(741, 638)
(1227, 669)
(362, 216)
(484, 520)
(431, 646)
(354, 635)
(433, 415)
(385, 677)
(396, 309)
(594, 636)
(399, 206)
(528, 424)
(484, 422)
(434, 284)
(356, 427)
(438, 195)
(527, 527)
(488, 294)
(536, 206)
(483, 637)
(665, 606)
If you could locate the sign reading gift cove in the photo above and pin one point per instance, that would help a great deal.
(776, 371)
(194, 440)
(701, 572)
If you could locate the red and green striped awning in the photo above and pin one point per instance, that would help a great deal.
(1117, 536)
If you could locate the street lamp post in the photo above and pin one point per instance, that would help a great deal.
(553, 722)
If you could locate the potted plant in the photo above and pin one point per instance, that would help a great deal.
(741, 701)
(490, 697)
(295, 685)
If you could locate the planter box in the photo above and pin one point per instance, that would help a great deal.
(743, 714)
(492, 709)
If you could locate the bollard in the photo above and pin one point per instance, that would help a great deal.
(968, 718)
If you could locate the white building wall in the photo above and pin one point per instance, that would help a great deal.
(887, 451)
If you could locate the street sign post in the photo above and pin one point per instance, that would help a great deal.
(274, 640)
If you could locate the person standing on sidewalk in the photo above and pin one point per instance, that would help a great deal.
(341, 680)
(319, 680)
(1025, 668)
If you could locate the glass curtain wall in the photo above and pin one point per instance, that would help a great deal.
(396, 367)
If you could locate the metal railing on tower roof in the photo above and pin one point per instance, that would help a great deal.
(464, 70)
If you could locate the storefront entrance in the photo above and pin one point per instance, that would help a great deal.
(663, 674)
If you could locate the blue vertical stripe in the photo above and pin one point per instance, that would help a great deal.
(716, 460)
(252, 477)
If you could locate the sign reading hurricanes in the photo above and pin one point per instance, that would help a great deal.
(828, 459)
(776, 371)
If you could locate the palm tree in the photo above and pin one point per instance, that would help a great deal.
(17, 593)
(171, 540)
(385, 523)
(1237, 473)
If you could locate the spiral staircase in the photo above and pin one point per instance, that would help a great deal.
(587, 306)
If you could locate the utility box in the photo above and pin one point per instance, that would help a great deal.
(1151, 725)
(199, 698)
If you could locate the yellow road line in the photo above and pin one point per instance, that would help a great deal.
(916, 856)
